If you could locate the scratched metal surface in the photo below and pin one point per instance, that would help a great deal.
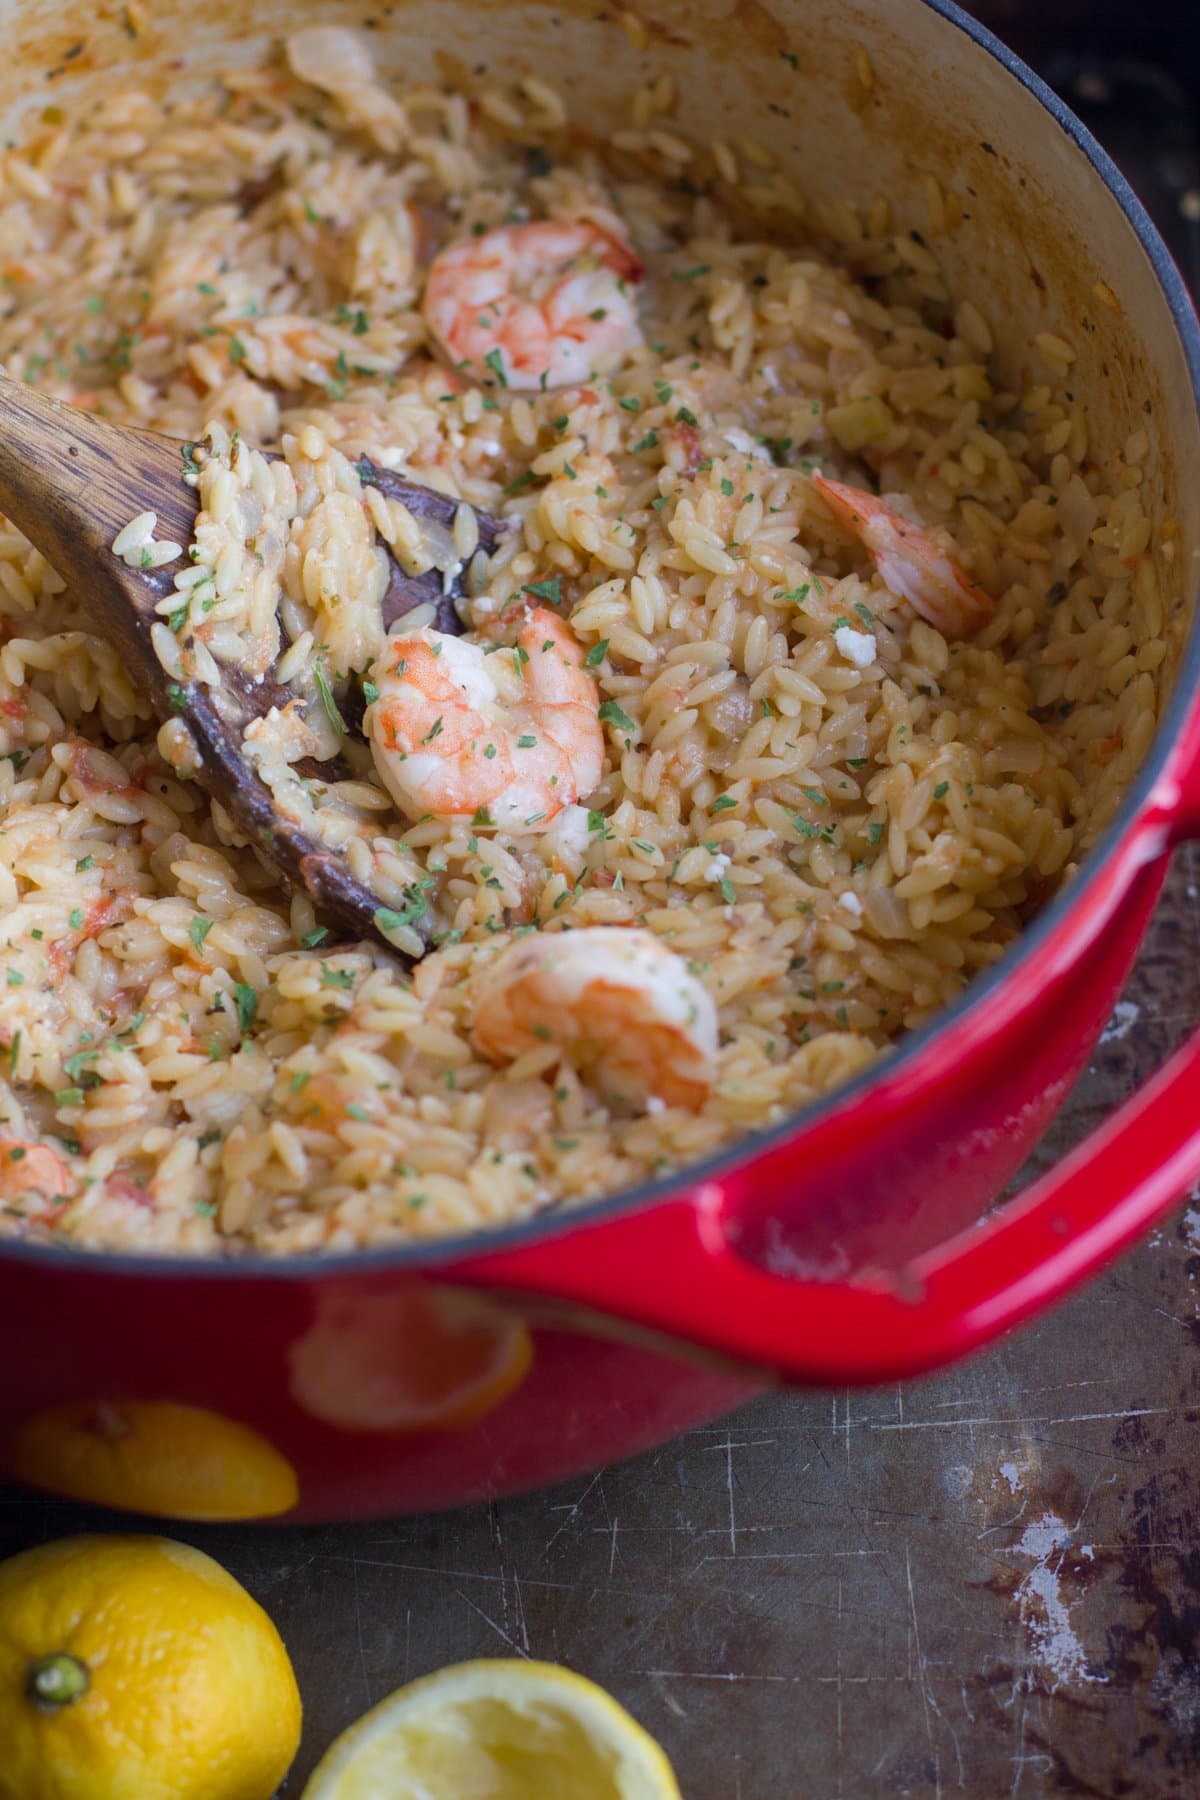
(986, 1584)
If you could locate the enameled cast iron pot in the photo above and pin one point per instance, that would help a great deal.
(842, 1246)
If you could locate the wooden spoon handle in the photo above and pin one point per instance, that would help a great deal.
(70, 480)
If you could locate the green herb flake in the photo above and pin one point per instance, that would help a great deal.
(15, 978)
(630, 403)
(611, 714)
(875, 831)
(722, 803)
(495, 362)
(337, 978)
(685, 416)
(597, 653)
(370, 692)
(726, 487)
(199, 929)
(311, 939)
(71, 1096)
(816, 796)
(325, 692)
(649, 442)
(520, 483)
(549, 591)
(728, 890)
(246, 1000)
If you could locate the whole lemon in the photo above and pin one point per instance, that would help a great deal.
(136, 1668)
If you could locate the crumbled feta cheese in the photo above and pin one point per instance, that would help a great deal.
(654, 1104)
(851, 902)
(858, 647)
(737, 439)
(718, 868)
(568, 835)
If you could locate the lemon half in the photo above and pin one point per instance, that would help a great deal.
(496, 1730)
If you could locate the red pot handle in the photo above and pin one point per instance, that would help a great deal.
(673, 1267)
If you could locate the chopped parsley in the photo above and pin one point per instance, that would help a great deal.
(597, 653)
(199, 929)
(326, 695)
(338, 978)
(495, 362)
(612, 714)
(722, 803)
(549, 591)
(246, 1000)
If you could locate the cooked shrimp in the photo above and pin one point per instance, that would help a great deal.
(620, 1006)
(909, 562)
(512, 731)
(27, 1168)
(535, 306)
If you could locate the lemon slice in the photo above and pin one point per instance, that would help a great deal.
(496, 1730)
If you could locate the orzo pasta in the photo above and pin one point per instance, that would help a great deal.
(823, 761)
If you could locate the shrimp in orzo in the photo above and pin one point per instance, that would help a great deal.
(910, 562)
(535, 306)
(625, 1010)
(510, 731)
(28, 1168)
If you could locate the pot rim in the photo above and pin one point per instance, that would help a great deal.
(313, 1266)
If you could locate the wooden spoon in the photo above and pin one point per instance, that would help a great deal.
(70, 481)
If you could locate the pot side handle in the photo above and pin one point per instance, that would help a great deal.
(673, 1268)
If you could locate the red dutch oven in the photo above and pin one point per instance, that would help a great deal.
(844, 1245)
